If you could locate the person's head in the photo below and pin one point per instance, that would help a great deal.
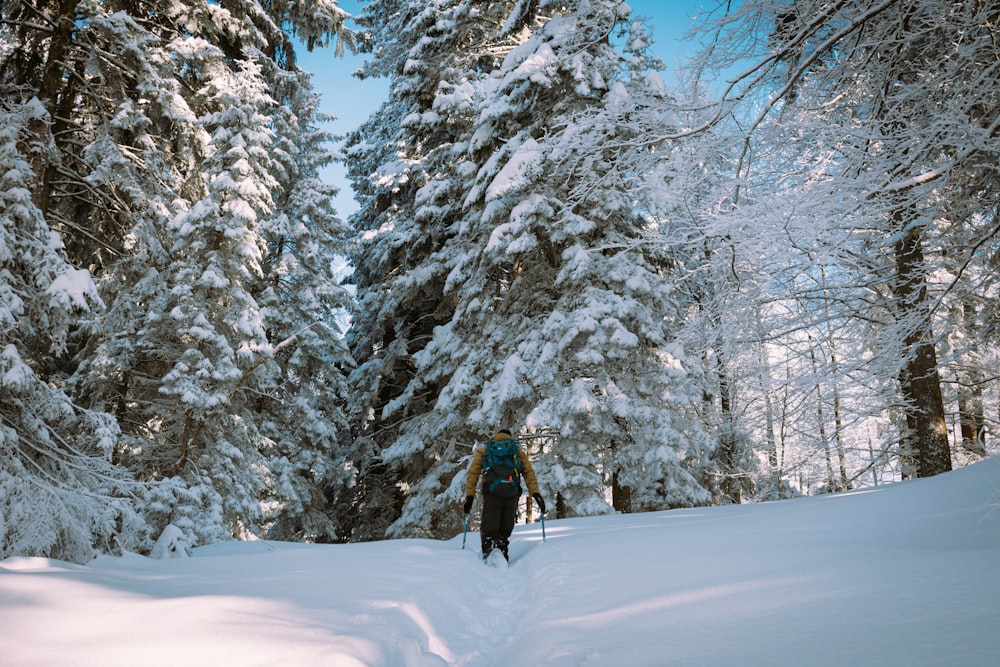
(502, 434)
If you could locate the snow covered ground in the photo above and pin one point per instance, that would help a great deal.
(899, 575)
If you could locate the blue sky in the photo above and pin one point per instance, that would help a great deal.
(351, 101)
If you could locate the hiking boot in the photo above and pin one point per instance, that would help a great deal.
(496, 558)
(489, 544)
(503, 545)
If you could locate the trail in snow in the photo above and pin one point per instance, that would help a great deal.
(499, 595)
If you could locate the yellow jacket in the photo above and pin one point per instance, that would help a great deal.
(476, 470)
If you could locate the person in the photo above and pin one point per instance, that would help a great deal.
(499, 508)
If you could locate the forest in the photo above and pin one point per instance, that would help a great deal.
(783, 284)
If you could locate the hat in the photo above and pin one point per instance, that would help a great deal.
(501, 434)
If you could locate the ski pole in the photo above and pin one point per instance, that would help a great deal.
(465, 531)
(543, 526)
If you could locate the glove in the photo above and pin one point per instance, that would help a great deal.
(468, 504)
(539, 502)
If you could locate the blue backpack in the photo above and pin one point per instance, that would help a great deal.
(502, 469)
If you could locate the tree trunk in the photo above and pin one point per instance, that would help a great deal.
(621, 496)
(971, 414)
(728, 459)
(50, 93)
(765, 389)
(838, 420)
(871, 457)
(920, 383)
(831, 483)
(972, 417)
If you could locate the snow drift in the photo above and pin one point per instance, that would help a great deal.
(896, 575)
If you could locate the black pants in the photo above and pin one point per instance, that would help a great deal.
(497, 522)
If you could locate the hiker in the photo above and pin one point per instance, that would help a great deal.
(501, 463)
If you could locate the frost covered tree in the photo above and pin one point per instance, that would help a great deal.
(184, 173)
(688, 197)
(403, 165)
(548, 311)
(571, 316)
(869, 150)
(69, 60)
(59, 493)
(208, 323)
(241, 326)
(305, 313)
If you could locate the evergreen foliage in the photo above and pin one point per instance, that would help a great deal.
(679, 296)
(59, 493)
(182, 168)
(409, 167)
(536, 302)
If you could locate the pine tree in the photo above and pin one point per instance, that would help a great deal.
(179, 168)
(59, 494)
(409, 187)
(306, 313)
(574, 304)
(560, 319)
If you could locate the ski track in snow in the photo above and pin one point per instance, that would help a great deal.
(498, 603)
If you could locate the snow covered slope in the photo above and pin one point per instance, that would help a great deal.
(900, 575)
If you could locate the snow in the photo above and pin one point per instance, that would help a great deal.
(522, 168)
(533, 68)
(73, 289)
(891, 576)
(17, 374)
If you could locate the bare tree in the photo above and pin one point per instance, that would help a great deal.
(886, 116)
